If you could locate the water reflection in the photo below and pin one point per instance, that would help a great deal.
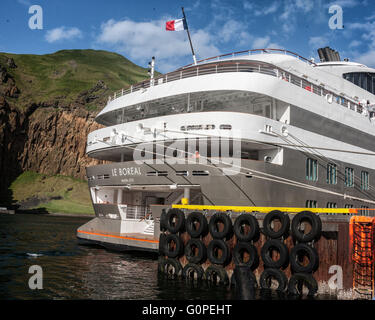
(72, 271)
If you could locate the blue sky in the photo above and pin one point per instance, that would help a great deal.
(136, 29)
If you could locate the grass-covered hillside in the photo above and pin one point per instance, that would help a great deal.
(65, 74)
(54, 193)
(47, 108)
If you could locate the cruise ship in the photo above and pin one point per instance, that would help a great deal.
(262, 127)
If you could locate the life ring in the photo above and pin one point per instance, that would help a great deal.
(298, 279)
(276, 215)
(220, 217)
(216, 275)
(213, 247)
(250, 274)
(270, 273)
(250, 250)
(194, 219)
(243, 222)
(175, 220)
(266, 254)
(302, 249)
(173, 251)
(195, 251)
(313, 220)
(171, 268)
(193, 271)
(162, 244)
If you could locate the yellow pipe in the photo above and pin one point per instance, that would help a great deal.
(264, 209)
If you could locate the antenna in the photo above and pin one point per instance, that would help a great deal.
(151, 70)
(187, 30)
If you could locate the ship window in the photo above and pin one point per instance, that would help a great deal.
(332, 173)
(311, 204)
(200, 173)
(311, 169)
(365, 180)
(364, 211)
(251, 155)
(225, 127)
(182, 173)
(348, 206)
(365, 80)
(349, 177)
(102, 176)
(331, 205)
(157, 173)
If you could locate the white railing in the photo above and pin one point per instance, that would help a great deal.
(244, 66)
(136, 212)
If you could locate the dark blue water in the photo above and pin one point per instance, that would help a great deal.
(73, 271)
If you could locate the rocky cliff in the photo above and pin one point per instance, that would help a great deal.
(43, 126)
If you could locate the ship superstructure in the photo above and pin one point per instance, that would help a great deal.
(262, 127)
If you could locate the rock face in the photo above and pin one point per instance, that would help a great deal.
(48, 138)
(56, 142)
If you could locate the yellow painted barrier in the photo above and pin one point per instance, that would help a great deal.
(264, 209)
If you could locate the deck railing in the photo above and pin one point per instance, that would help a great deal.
(136, 212)
(244, 66)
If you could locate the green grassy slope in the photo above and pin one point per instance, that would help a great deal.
(63, 79)
(57, 193)
(64, 74)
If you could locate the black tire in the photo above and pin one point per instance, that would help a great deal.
(227, 222)
(179, 216)
(279, 246)
(193, 271)
(160, 264)
(250, 249)
(171, 267)
(305, 250)
(211, 252)
(191, 219)
(313, 220)
(253, 224)
(163, 221)
(162, 238)
(285, 224)
(271, 273)
(217, 271)
(179, 246)
(251, 275)
(201, 255)
(296, 281)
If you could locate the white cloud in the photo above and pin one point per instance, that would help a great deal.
(142, 40)
(247, 5)
(354, 43)
(345, 3)
(267, 10)
(62, 33)
(25, 2)
(318, 42)
(261, 42)
(367, 58)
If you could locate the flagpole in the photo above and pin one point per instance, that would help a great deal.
(187, 29)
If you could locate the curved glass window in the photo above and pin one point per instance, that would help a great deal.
(365, 80)
(225, 100)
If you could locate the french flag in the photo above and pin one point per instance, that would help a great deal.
(176, 25)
